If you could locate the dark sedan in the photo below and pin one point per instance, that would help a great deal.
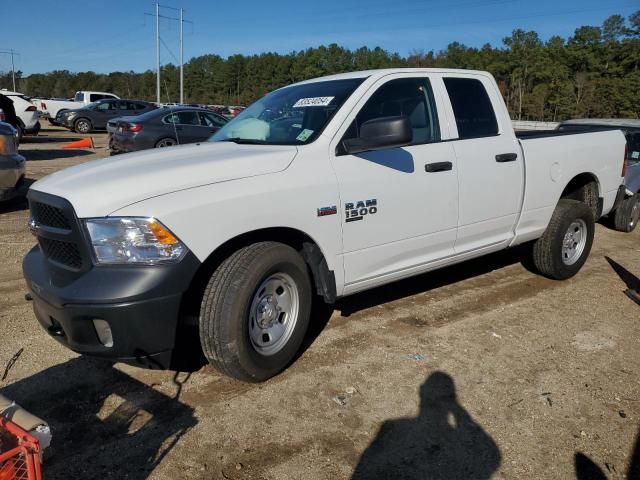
(165, 127)
(95, 116)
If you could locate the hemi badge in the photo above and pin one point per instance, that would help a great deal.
(324, 211)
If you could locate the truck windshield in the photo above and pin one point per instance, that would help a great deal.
(293, 115)
(79, 97)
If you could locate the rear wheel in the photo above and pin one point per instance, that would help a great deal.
(20, 133)
(165, 142)
(82, 125)
(255, 311)
(565, 245)
(628, 214)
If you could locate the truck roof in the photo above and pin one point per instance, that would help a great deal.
(612, 122)
(94, 91)
(381, 72)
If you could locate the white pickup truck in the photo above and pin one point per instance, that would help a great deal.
(51, 108)
(330, 187)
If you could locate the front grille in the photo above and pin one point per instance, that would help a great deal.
(66, 253)
(49, 216)
(58, 230)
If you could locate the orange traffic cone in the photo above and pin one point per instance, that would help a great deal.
(84, 143)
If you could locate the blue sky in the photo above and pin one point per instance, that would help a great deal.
(112, 35)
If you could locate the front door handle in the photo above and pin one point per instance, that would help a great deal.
(506, 157)
(438, 167)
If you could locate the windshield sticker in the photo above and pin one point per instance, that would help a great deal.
(313, 102)
(635, 155)
(304, 135)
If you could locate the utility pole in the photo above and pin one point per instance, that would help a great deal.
(181, 57)
(13, 71)
(158, 40)
(12, 52)
(158, 52)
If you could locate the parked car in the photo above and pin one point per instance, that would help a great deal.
(12, 165)
(390, 174)
(165, 127)
(52, 107)
(27, 113)
(627, 215)
(96, 115)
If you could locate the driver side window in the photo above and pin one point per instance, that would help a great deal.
(411, 97)
(103, 107)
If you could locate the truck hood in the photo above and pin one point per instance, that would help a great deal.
(100, 187)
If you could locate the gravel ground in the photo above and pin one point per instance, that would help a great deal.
(484, 370)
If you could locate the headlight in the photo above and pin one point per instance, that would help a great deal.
(69, 115)
(131, 240)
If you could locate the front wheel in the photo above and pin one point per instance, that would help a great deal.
(566, 243)
(255, 311)
(628, 214)
(82, 125)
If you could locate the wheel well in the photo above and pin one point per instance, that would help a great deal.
(323, 279)
(585, 188)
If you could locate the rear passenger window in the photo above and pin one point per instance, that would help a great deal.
(411, 97)
(183, 118)
(472, 108)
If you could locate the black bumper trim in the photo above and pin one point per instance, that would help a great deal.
(141, 304)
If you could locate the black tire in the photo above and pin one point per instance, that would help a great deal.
(548, 249)
(227, 307)
(20, 133)
(166, 142)
(627, 215)
(82, 125)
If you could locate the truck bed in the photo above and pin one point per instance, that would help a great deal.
(531, 134)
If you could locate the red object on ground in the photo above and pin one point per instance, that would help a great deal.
(84, 143)
(19, 453)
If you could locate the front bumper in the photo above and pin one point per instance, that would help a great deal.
(12, 172)
(141, 305)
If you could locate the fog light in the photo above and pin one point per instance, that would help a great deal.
(104, 332)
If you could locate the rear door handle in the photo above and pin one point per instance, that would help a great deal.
(438, 167)
(506, 157)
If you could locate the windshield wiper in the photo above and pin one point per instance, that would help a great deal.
(244, 141)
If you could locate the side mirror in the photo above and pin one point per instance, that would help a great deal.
(379, 134)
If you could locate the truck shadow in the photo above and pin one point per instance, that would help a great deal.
(105, 424)
(433, 280)
(351, 305)
(442, 442)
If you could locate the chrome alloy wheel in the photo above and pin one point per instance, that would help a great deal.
(574, 242)
(273, 313)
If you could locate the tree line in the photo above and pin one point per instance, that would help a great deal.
(593, 73)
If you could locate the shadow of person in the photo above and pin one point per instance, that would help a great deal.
(443, 442)
(105, 424)
(587, 469)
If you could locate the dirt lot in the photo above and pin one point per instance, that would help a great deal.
(482, 370)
